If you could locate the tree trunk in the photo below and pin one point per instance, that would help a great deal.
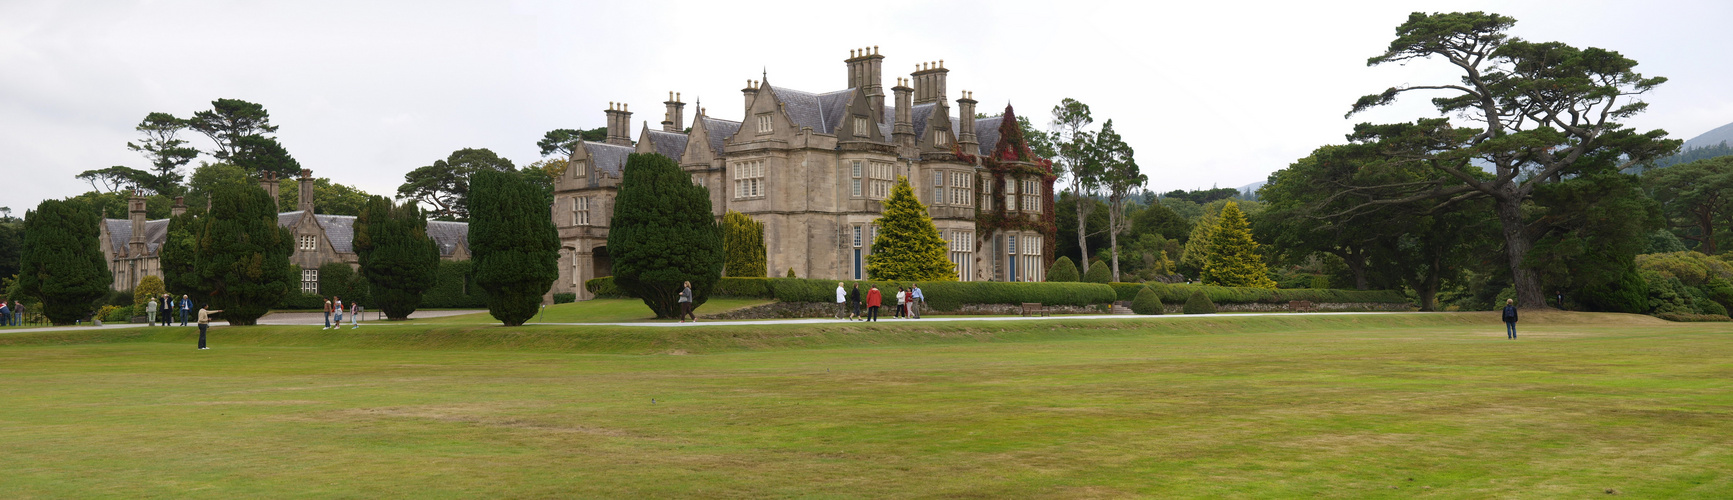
(1356, 262)
(1082, 233)
(1113, 244)
(1516, 247)
(1428, 289)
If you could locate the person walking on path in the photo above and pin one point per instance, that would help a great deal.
(150, 313)
(686, 303)
(355, 310)
(841, 301)
(168, 307)
(916, 300)
(337, 310)
(872, 303)
(5, 314)
(327, 315)
(854, 302)
(205, 324)
(184, 308)
(1510, 317)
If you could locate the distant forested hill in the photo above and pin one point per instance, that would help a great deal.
(1708, 145)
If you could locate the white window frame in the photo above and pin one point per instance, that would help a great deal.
(962, 246)
(1010, 194)
(856, 171)
(940, 138)
(580, 210)
(938, 188)
(961, 194)
(310, 281)
(307, 242)
(1031, 196)
(748, 179)
(577, 169)
(1032, 263)
(860, 126)
(764, 123)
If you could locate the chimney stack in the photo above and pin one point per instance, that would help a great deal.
(619, 124)
(180, 207)
(268, 181)
(865, 71)
(751, 92)
(903, 129)
(930, 81)
(136, 210)
(305, 202)
(675, 120)
(966, 129)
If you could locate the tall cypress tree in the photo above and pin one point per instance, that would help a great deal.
(743, 238)
(1233, 258)
(662, 234)
(513, 243)
(397, 258)
(908, 246)
(242, 255)
(62, 264)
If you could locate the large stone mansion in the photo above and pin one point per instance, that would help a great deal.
(814, 168)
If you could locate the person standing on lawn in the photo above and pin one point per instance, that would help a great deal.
(5, 314)
(841, 301)
(168, 308)
(184, 308)
(337, 310)
(902, 303)
(205, 324)
(854, 302)
(686, 303)
(327, 315)
(916, 300)
(355, 311)
(872, 303)
(1510, 317)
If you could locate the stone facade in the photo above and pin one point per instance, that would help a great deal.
(130, 246)
(815, 168)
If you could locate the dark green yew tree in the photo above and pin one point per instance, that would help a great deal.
(176, 256)
(512, 242)
(242, 255)
(61, 265)
(397, 258)
(663, 234)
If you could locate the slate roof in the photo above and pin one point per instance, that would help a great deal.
(822, 112)
(987, 132)
(719, 131)
(120, 234)
(448, 235)
(608, 158)
(340, 231)
(669, 144)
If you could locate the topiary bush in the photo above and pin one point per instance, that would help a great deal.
(1146, 302)
(1199, 303)
(1098, 273)
(1063, 271)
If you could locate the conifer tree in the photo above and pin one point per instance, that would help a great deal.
(397, 258)
(1232, 259)
(743, 237)
(175, 256)
(1146, 302)
(1098, 273)
(61, 264)
(242, 255)
(1196, 250)
(908, 246)
(1062, 271)
(663, 234)
(513, 244)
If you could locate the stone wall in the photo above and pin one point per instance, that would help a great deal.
(783, 310)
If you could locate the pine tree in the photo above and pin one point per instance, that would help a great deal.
(1233, 258)
(908, 246)
(743, 237)
(1062, 271)
(397, 258)
(1196, 249)
(61, 264)
(663, 234)
(513, 244)
(242, 255)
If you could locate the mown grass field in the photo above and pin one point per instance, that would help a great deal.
(1379, 406)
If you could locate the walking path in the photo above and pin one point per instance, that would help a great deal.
(817, 321)
(294, 318)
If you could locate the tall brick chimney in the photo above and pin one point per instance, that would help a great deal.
(930, 82)
(866, 72)
(903, 129)
(966, 129)
(305, 202)
(136, 210)
(619, 124)
(268, 181)
(675, 120)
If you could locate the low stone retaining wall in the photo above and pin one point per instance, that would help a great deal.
(787, 310)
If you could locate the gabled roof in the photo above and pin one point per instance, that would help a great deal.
(718, 131)
(340, 231)
(987, 132)
(120, 234)
(669, 144)
(608, 158)
(920, 113)
(822, 112)
(448, 235)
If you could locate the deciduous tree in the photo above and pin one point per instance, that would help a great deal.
(1120, 177)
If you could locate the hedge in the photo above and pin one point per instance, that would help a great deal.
(1126, 291)
(453, 288)
(940, 295)
(1179, 293)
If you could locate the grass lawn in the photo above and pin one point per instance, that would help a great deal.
(601, 311)
(1382, 406)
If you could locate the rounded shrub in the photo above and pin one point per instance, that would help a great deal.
(1063, 270)
(1098, 273)
(1199, 304)
(1147, 303)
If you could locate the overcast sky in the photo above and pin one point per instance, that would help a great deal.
(1208, 93)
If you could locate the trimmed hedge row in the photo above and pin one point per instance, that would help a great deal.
(940, 295)
(1179, 293)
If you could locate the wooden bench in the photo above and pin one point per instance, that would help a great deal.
(1301, 305)
(1034, 308)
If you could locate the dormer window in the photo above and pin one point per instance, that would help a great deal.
(860, 127)
(941, 138)
(577, 169)
(308, 242)
(764, 123)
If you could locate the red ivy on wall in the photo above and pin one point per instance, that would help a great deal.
(1011, 157)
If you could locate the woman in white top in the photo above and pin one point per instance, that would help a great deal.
(902, 303)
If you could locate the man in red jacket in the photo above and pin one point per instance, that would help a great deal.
(873, 298)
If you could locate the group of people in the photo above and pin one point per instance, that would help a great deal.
(11, 314)
(334, 306)
(165, 306)
(850, 303)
